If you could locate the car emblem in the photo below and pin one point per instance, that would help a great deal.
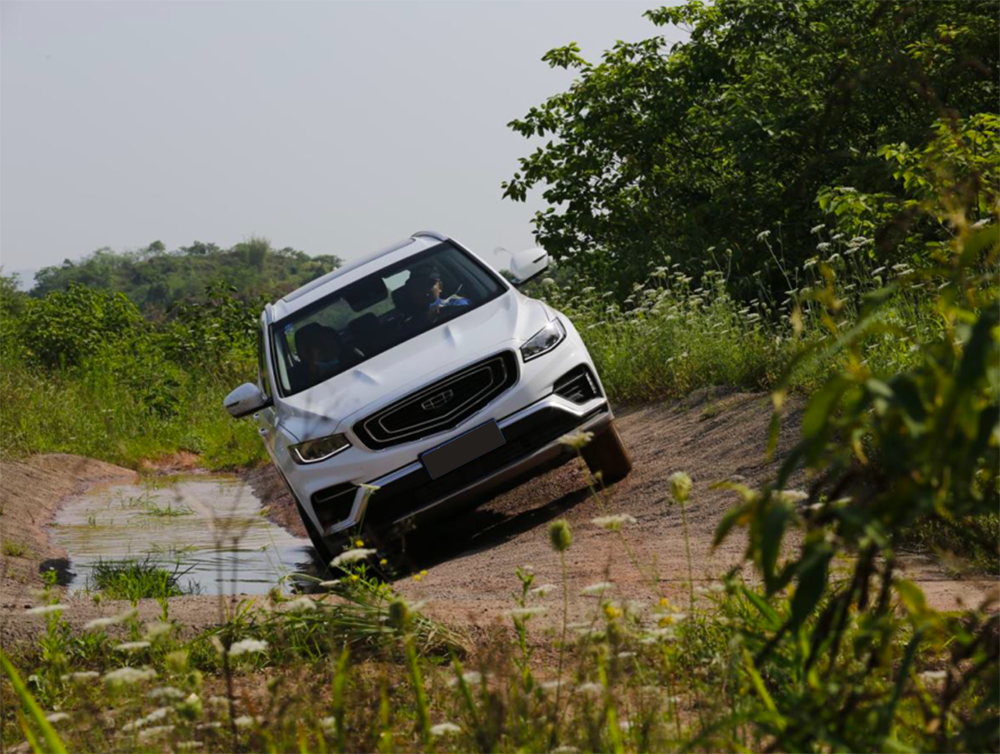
(437, 401)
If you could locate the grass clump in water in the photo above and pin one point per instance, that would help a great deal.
(136, 580)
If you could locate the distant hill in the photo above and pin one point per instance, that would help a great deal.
(155, 279)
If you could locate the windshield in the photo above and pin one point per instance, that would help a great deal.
(378, 312)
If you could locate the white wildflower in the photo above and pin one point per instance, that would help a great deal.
(352, 556)
(132, 646)
(57, 717)
(244, 721)
(85, 675)
(129, 675)
(527, 612)
(154, 732)
(878, 271)
(166, 694)
(763, 234)
(542, 591)
(245, 646)
(328, 723)
(444, 729)
(577, 440)
(471, 677)
(113, 620)
(46, 609)
(300, 605)
(153, 717)
(659, 634)
(596, 590)
(817, 229)
(823, 246)
(157, 629)
(792, 496)
(613, 523)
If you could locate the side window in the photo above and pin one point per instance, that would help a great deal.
(263, 378)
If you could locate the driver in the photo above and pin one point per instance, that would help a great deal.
(424, 290)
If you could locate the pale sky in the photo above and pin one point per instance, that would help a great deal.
(332, 127)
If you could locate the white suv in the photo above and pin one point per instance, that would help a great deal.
(424, 373)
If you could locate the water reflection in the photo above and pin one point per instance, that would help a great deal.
(210, 527)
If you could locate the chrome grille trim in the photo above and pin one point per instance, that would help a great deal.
(498, 373)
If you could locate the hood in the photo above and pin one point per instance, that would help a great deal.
(334, 405)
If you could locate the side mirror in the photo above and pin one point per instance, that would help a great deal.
(245, 399)
(527, 265)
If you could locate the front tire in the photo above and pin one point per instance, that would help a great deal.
(323, 551)
(606, 453)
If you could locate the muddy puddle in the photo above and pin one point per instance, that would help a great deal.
(207, 529)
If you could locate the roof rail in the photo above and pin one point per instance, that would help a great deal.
(430, 234)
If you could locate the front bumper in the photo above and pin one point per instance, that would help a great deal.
(532, 446)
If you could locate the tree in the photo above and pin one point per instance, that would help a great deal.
(693, 149)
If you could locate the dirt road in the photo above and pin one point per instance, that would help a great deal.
(712, 435)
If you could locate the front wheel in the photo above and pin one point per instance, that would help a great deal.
(606, 453)
(319, 543)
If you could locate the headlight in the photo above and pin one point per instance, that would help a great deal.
(312, 451)
(544, 340)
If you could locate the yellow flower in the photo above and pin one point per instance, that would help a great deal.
(664, 602)
(355, 577)
(423, 573)
(359, 543)
(417, 577)
(383, 562)
(666, 620)
(611, 612)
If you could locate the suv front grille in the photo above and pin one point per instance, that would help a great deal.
(440, 406)
(397, 499)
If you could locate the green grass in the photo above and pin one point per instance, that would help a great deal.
(90, 412)
(14, 549)
(135, 580)
(972, 541)
(670, 337)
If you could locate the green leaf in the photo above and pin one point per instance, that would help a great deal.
(766, 611)
(822, 405)
(810, 586)
(771, 533)
(53, 743)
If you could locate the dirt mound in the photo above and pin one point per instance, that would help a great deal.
(30, 492)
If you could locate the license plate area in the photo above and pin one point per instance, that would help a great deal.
(462, 449)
